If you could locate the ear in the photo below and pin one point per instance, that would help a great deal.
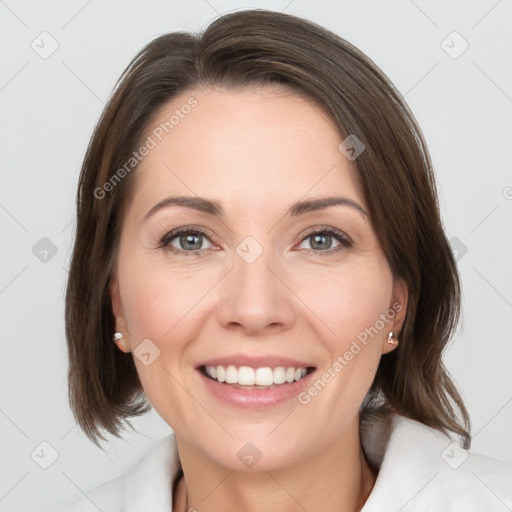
(396, 312)
(117, 310)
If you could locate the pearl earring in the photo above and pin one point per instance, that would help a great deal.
(391, 339)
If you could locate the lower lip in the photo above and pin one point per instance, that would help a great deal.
(255, 398)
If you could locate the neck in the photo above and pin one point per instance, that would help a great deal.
(337, 478)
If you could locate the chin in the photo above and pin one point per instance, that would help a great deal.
(257, 450)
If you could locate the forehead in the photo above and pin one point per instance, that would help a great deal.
(256, 147)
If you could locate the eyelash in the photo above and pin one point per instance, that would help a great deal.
(345, 241)
(166, 240)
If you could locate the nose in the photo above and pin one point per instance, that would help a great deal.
(256, 298)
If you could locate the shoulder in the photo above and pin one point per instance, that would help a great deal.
(424, 470)
(108, 496)
(146, 484)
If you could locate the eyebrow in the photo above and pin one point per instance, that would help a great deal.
(319, 204)
(214, 207)
(196, 203)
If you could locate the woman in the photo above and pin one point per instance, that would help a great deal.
(258, 234)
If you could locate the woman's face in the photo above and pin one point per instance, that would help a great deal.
(268, 277)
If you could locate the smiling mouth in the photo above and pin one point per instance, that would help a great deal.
(245, 377)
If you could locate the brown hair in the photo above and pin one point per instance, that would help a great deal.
(260, 47)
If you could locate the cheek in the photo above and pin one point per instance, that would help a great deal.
(350, 303)
(165, 308)
(167, 305)
(349, 300)
(159, 300)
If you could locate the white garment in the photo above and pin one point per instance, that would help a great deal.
(420, 470)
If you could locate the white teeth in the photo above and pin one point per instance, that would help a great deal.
(264, 376)
(247, 376)
(221, 373)
(231, 375)
(280, 375)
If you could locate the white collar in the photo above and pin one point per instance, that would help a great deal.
(416, 472)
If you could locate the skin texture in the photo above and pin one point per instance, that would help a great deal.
(256, 151)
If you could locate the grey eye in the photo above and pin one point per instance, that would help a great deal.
(189, 242)
(320, 241)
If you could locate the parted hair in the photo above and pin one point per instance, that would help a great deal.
(258, 48)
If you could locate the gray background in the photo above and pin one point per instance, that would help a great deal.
(49, 107)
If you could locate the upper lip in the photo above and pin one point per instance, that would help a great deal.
(255, 361)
